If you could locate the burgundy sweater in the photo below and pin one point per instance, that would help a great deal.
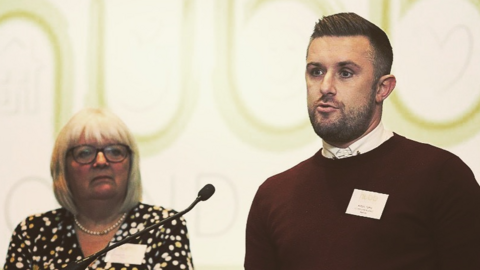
(431, 219)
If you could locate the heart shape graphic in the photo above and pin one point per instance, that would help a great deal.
(459, 32)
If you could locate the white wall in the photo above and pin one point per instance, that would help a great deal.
(214, 90)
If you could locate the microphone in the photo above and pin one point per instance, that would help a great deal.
(204, 194)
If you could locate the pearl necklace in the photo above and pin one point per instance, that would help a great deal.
(107, 230)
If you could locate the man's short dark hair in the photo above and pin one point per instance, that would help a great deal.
(351, 24)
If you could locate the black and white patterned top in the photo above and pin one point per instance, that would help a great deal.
(49, 241)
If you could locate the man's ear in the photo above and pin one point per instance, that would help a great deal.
(385, 87)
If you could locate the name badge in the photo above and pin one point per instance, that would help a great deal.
(126, 254)
(367, 204)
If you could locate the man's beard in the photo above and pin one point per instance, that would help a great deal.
(350, 126)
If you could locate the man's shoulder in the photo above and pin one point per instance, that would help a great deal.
(427, 153)
(287, 176)
(418, 146)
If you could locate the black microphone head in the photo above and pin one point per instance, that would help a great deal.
(206, 192)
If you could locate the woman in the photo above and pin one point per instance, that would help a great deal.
(96, 180)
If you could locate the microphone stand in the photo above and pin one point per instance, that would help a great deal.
(85, 262)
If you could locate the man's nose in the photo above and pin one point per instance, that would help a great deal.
(327, 84)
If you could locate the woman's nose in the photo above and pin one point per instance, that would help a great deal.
(100, 160)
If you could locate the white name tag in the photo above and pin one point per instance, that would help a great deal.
(127, 254)
(367, 204)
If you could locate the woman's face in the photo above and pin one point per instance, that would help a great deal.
(99, 180)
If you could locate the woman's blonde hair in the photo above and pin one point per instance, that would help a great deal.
(99, 125)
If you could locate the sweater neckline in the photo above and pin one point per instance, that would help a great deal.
(360, 159)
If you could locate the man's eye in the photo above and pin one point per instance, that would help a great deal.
(346, 74)
(316, 72)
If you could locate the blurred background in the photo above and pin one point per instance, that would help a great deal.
(214, 91)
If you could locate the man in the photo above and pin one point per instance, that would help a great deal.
(369, 199)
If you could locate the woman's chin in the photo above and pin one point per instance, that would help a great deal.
(104, 192)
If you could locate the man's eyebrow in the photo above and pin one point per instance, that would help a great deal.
(315, 64)
(347, 63)
(339, 64)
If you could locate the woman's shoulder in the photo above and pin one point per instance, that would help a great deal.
(37, 221)
(56, 214)
(147, 211)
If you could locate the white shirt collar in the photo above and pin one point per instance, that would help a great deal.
(367, 143)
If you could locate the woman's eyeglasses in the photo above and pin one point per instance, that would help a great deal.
(86, 154)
